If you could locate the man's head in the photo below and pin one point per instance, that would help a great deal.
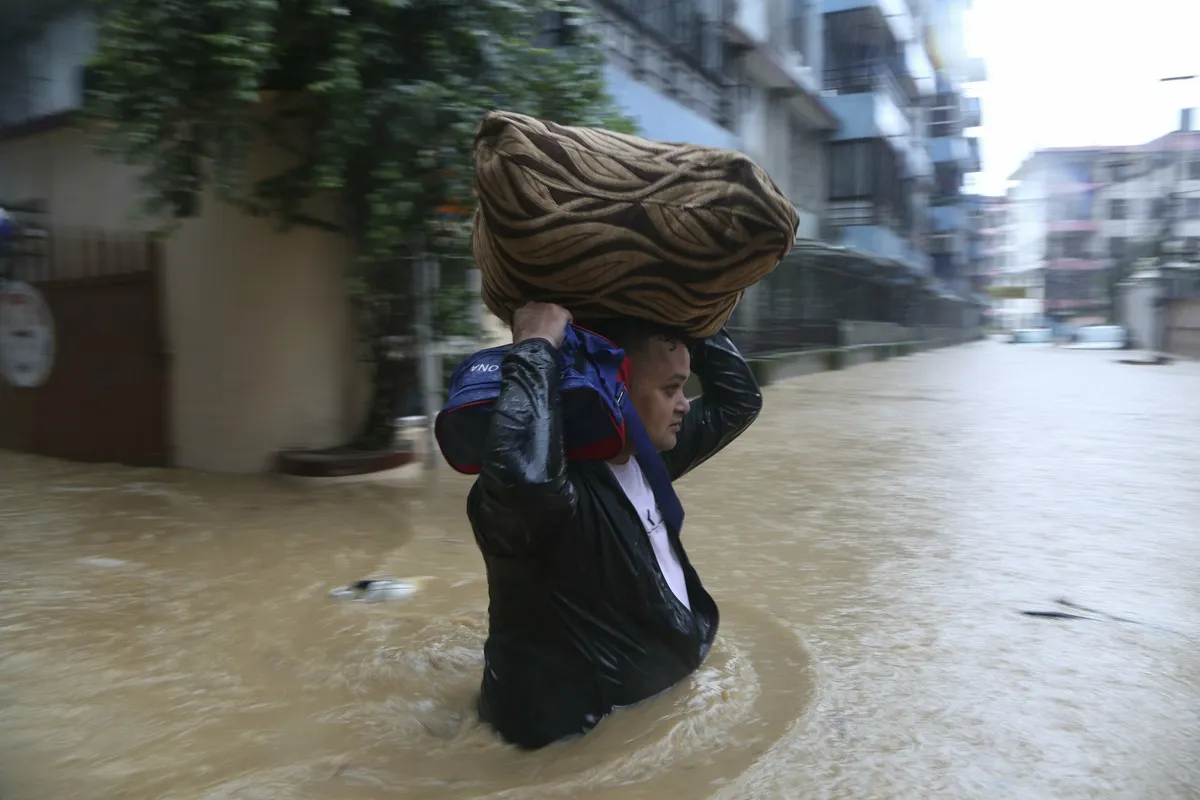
(660, 363)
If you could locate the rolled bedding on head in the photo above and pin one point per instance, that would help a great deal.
(612, 225)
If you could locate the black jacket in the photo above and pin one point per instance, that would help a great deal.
(581, 619)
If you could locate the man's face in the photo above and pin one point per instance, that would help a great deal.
(658, 371)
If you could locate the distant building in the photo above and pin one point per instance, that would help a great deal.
(1079, 215)
(1015, 294)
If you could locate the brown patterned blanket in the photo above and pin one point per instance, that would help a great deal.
(608, 224)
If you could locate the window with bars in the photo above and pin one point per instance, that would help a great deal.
(945, 116)
(1067, 245)
(867, 170)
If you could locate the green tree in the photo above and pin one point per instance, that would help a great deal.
(376, 101)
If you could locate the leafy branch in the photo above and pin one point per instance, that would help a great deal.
(355, 116)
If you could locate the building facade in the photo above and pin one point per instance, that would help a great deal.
(833, 98)
(667, 68)
(1149, 192)
(247, 345)
(877, 80)
(1015, 297)
(855, 107)
(740, 75)
(954, 214)
(258, 354)
(1083, 217)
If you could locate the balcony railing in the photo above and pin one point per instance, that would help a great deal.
(945, 129)
(866, 78)
(1072, 226)
(1075, 264)
(684, 29)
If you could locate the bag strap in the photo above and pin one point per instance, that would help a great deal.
(646, 454)
(652, 467)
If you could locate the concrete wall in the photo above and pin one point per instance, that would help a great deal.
(1138, 313)
(1183, 337)
(1147, 322)
(871, 341)
(856, 334)
(258, 327)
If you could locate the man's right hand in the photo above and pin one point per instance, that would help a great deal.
(541, 321)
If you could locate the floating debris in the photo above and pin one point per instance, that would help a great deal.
(1092, 615)
(101, 561)
(375, 590)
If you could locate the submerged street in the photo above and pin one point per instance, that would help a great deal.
(872, 542)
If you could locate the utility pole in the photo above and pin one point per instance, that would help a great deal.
(425, 284)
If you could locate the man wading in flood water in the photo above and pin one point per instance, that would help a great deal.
(593, 602)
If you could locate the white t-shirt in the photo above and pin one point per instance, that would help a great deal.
(638, 490)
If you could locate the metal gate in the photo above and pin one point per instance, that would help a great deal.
(105, 398)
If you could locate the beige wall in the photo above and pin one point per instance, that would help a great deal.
(1184, 337)
(257, 322)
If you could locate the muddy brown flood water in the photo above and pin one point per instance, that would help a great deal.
(871, 541)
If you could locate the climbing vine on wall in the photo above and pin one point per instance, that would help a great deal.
(374, 102)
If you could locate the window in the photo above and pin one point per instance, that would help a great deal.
(944, 117)
(867, 169)
(1118, 246)
(1069, 208)
(1193, 208)
(949, 181)
(1117, 209)
(1068, 245)
(1194, 170)
(849, 170)
(1077, 245)
(1158, 208)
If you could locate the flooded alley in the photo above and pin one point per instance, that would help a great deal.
(872, 542)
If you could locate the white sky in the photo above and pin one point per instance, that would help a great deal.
(1065, 73)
